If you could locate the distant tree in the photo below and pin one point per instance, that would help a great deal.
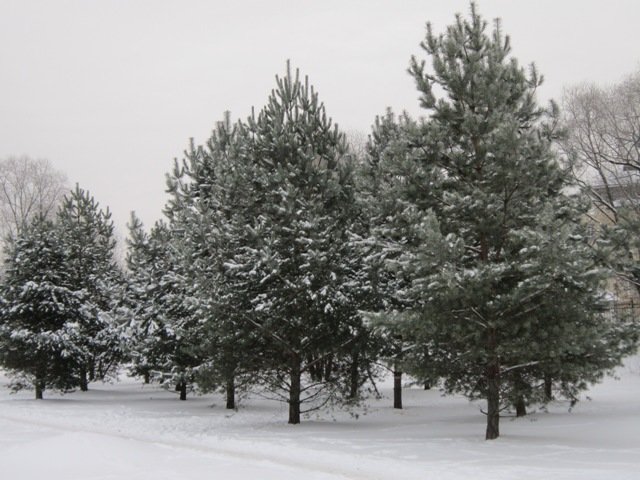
(603, 142)
(357, 143)
(28, 188)
(40, 316)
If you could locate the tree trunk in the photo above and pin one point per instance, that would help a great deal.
(147, 377)
(183, 390)
(427, 385)
(231, 393)
(493, 388)
(39, 384)
(521, 407)
(328, 368)
(520, 386)
(397, 374)
(548, 388)
(294, 392)
(397, 389)
(354, 377)
(92, 371)
(493, 404)
(84, 383)
(315, 369)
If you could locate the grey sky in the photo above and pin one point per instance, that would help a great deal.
(111, 91)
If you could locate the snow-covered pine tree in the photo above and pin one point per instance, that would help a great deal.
(477, 253)
(166, 339)
(147, 350)
(391, 184)
(575, 341)
(41, 316)
(210, 207)
(86, 231)
(297, 267)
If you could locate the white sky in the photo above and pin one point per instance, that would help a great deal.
(111, 91)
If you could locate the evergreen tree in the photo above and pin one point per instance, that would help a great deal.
(587, 342)
(211, 204)
(304, 302)
(148, 337)
(87, 235)
(41, 315)
(391, 184)
(484, 193)
(163, 324)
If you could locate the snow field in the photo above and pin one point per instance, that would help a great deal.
(132, 431)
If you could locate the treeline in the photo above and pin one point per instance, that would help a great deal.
(454, 249)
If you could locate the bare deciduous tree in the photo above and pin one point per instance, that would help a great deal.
(604, 140)
(28, 187)
(357, 141)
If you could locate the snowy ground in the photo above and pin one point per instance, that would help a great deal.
(130, 431)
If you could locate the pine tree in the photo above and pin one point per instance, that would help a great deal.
(303, 303)
(391, 184)
(575, 342)
(149, 349)
(482, 189)
(166, 338)
(211, 204)
(89, 245)
(41, 316)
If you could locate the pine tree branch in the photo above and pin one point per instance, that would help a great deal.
(522, 365)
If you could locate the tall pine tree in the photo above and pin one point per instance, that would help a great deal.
(389, 184)
(211, 204)
(297, 266)
(481, 265)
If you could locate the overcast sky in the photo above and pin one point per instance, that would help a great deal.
(111, 91)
